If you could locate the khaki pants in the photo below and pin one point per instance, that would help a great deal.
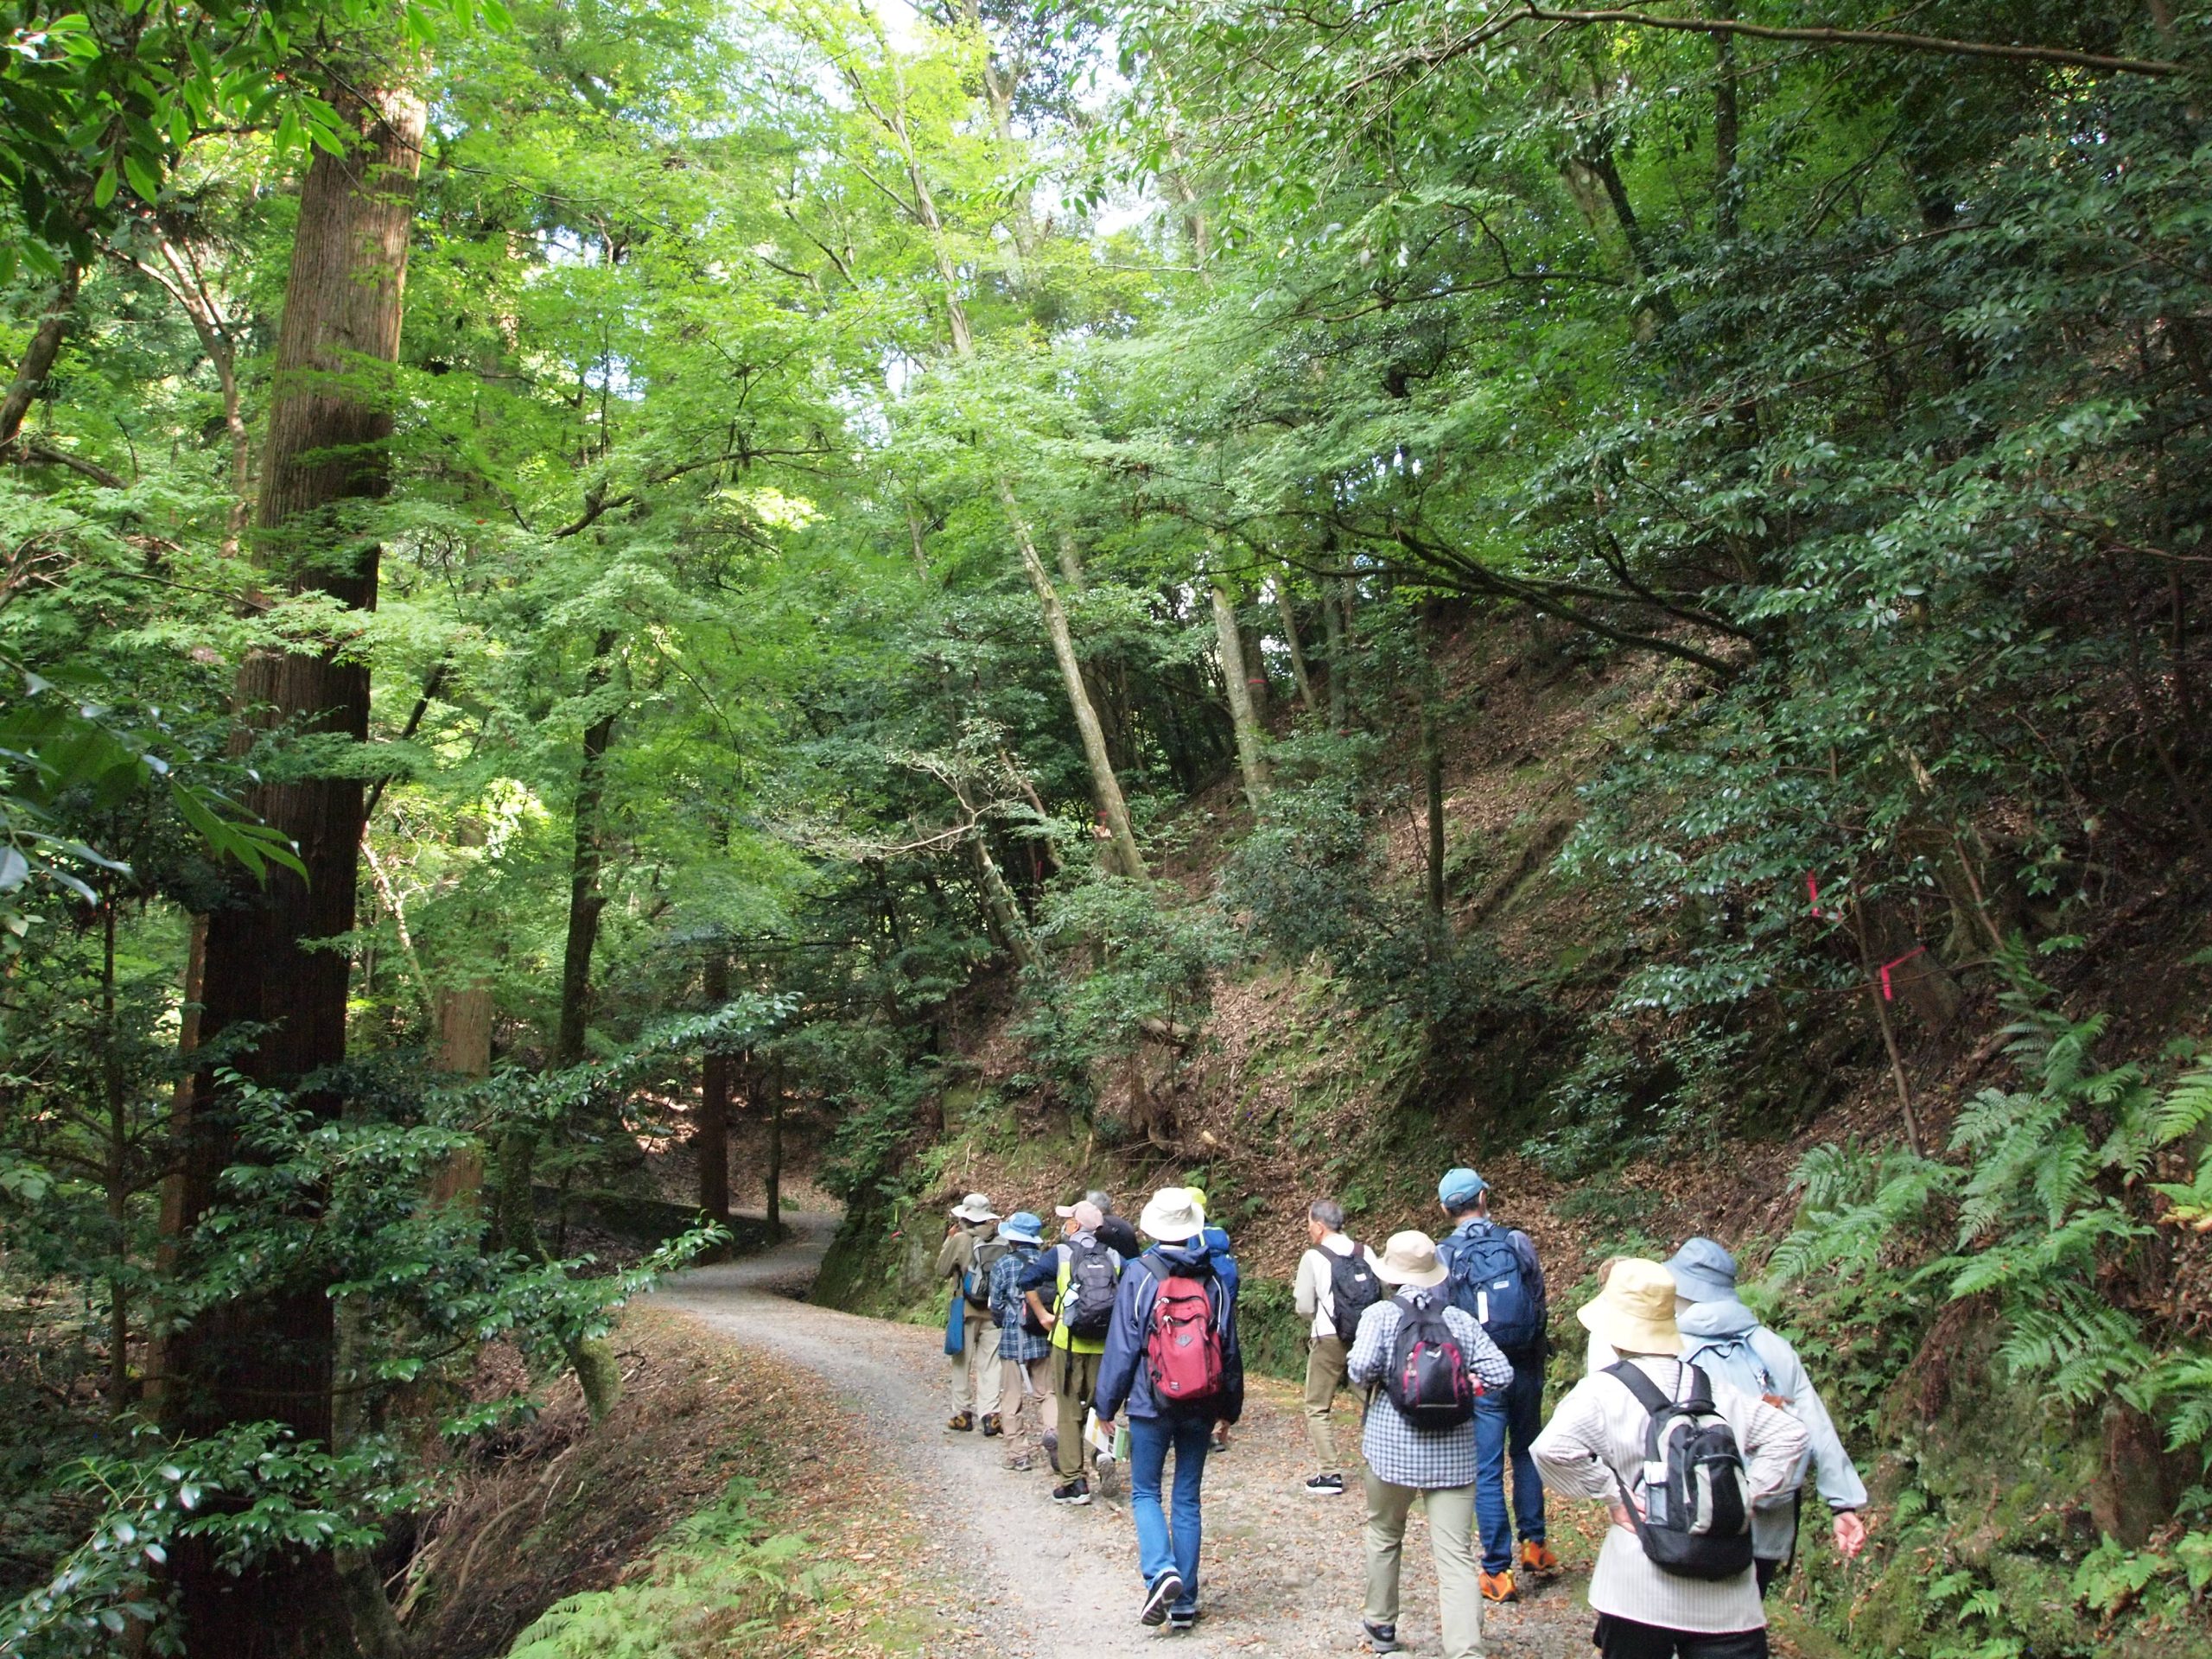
(1078, 1375)
(975, 1368)
(1029, 1385)
(1325, 1374)
(1451, 1540)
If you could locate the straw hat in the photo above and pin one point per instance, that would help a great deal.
(1635, 1313)
(1410, 1259)
(1171, 1217)
(977, 1207)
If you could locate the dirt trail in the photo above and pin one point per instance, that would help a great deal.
(1016, 1575)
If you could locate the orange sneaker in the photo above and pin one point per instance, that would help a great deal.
(1498, 1587)
(1538, 1559)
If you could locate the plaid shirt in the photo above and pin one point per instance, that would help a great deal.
(1017, 1342)
(1427, 1459)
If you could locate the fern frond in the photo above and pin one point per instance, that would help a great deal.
(2188, 1105)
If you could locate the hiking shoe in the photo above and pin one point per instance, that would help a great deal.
(1164, 1589)
(1072, 1492)
(1020, 1463)
(1182, 1620)
(1498, 1587)
(1381, 1639)
(991, 1426)
(1539, 1560)
(961, 1420)
(1325, 1486)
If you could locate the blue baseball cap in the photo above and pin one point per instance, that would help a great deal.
(1023, 1226)
(1704, 1272)
(1459, 1188)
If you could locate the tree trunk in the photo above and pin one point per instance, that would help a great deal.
(1289, 614)
(1431, 759)
(269, 1356)
(711, 1142)
(38, 357)
(1332, 623)
(1251, 758)
(1106, 788)
(586, 901)
(464, 1048)
(773, 1178)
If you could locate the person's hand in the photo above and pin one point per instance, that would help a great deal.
(1850, 1532)
(1622, 1517)
(1106, 1429)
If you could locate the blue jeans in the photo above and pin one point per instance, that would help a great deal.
(1157, 1549)
(1511, 1418)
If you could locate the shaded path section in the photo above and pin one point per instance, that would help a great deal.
(1019, 1576)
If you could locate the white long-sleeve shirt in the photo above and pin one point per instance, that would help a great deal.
(1596, 1437)
(1314, 1293)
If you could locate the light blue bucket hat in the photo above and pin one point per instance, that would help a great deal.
(1023, 1227)
(1704, 1272)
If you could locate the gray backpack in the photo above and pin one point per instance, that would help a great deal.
(1696, 1520)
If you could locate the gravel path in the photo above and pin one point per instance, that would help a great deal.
(1012, 1573)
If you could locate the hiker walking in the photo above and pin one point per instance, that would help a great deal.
(1682, 1459)
(1114, 1233)
(1174, 1363)
(1495, 1275)
(1024, 1344)
(971, 1247)
(1426, 1365)
(1079, 1274)
(1725, 1340)
(1218, 1245)
(1336, 1284)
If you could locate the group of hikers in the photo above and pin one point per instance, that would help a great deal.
(1692, 1422)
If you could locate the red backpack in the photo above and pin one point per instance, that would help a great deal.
(1183, 1349)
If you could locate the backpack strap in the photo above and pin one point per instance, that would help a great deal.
(1649, 1395)
(1699, 1399)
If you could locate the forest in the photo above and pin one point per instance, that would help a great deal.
(596, 593)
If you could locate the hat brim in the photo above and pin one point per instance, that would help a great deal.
(1170, 1230)
(1625, 1333)
(964, 1213)
(1422, 1279)
(1702, 1287)
(1065, 1211)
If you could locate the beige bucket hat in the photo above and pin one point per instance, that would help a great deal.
(977, 1207)
(1635, 1313)
(1410, 1259)
(1170, 1216)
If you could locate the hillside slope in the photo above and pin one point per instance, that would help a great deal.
(2004, 1510)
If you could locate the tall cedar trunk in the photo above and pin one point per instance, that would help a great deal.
(1251, 759)
(464, 1048)
(269, 1356)
(711, 1142)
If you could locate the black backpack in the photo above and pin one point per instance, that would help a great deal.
(1696, 1521)
(1353, 1289)
(1428, 1380)
(1087, 1304)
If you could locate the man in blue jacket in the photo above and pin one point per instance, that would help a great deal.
(1167, 1554)
(1495, 1275)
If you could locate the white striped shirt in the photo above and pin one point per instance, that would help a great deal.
(1597, 1436)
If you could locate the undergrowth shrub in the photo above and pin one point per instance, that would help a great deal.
(718, 1583)
(1990, 1310)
